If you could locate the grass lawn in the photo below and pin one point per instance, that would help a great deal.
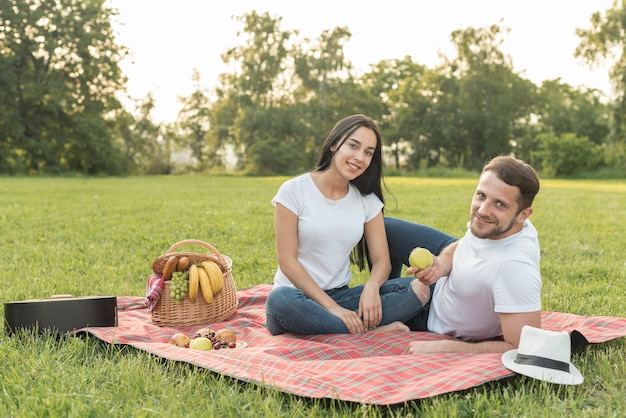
(90, 236)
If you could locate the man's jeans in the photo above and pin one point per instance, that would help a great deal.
(403, 236)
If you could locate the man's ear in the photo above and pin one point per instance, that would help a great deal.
(523, 215)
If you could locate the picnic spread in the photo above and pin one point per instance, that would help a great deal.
(193, 313)
(368, 368)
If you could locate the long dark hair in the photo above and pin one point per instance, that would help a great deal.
(369, 182)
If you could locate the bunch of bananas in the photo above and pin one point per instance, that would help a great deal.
(206, 276)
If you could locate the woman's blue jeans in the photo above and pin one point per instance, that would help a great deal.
(289, 310)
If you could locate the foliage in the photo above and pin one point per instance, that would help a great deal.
(615, 155)
(60, 76)
(564, 109)
(491, 95)
(394, 83)
(252, 94)
(567, 154)
(275, 156)
(89, 236)
(192, 127)
(59, 80)
(606, 39)
(137, 138)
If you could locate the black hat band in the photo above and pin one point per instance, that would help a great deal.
(541, 362)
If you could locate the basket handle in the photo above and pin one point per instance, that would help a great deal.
(194, 242)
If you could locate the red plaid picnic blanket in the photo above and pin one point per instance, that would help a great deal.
(367, 368)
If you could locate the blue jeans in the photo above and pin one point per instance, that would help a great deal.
(402, 237)
(289, 310)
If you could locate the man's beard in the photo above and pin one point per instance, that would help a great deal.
(495, 232)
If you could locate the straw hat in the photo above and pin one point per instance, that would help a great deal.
(543, 355)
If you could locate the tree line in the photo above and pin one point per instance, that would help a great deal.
(60, 111)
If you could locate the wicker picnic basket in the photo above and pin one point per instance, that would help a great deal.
(166, 313)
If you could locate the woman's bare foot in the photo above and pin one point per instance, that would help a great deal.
(393, 327)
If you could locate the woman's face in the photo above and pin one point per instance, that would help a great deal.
(355, 154)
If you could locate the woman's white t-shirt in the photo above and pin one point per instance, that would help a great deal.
(328, 229)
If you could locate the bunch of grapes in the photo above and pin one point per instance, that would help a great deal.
(179, 286)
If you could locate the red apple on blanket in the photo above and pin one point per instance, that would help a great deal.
(180, 339)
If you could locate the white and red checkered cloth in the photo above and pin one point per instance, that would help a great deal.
(154, 290)
(368, 368)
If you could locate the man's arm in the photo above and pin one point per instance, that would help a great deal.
(512, 324)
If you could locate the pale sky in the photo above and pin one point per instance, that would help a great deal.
(168, 39)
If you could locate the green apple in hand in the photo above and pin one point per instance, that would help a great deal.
(420, 258)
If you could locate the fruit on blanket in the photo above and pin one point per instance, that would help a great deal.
(182, 264)
(420, 258)
(223, 338)
(170, 266)
(205, 285)
(226, 336)
(180, 339)
(194, 283)
(214, 272)
(201, 343)
(205, 332)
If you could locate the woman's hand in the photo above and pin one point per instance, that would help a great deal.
(370, 306)
(350, 319)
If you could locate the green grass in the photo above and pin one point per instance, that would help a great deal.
(100, 235)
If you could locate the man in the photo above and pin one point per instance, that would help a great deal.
(487, 285)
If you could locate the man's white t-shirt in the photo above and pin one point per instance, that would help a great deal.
(488, 277)
(328, 229)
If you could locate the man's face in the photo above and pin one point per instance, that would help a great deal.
(494, 213)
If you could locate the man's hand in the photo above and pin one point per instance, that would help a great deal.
(442, 266)
(430, 274)
(425, 347)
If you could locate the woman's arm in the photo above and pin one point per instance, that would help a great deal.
(286, 235)
(370, 305)
(286, 231)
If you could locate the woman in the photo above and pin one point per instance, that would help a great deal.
(323, 220)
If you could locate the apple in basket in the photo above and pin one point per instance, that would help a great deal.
(180, 340)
